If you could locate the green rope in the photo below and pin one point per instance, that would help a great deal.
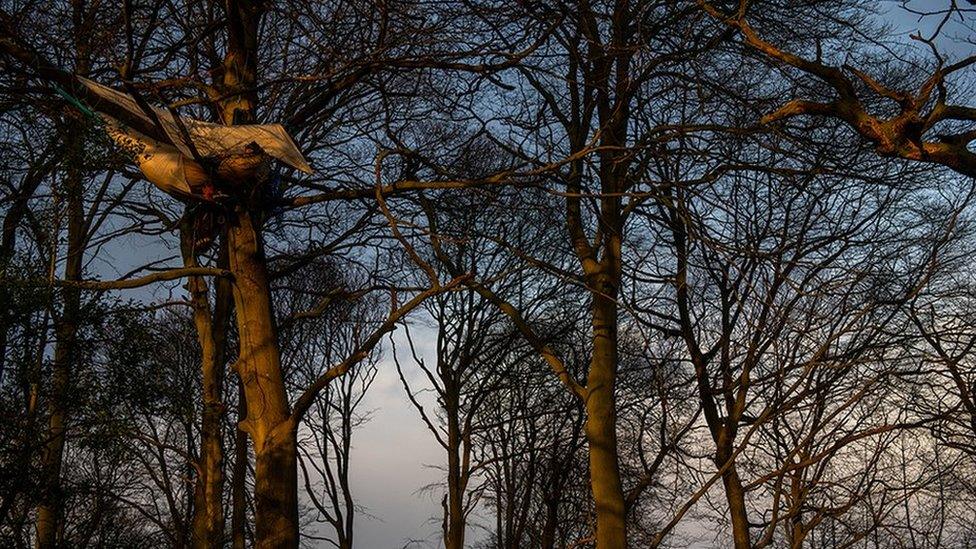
(75, 101)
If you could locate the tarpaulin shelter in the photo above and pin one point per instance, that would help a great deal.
(170, 162)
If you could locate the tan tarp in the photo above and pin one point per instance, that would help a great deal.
(170, 166)
(161, 164)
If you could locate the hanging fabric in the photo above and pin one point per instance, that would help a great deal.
(232, 153)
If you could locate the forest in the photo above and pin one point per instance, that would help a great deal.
(634, 273)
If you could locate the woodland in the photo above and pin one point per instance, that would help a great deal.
(647, 273)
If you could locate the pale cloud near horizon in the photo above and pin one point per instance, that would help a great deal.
(396, 463)
(394, 459)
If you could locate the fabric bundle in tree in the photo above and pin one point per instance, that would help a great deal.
(233, 154)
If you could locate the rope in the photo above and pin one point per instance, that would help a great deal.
(75, 102)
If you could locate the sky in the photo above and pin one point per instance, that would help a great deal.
(394, 458)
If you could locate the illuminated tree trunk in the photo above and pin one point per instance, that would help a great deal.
(601, 434)
(735, 496)
(208, 512)
(268, 423)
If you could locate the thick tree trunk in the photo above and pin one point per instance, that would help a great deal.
(50, 512)
(608, 495)
(268, 423)
(49, 509)
(275, 491)
(798, 535)
(208, 513)
(454, 537)
(735, 496)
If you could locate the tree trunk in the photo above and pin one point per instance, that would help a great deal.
(268, 423)
(454, 506)
(208, 512)
(239, 478)
(548, 537)
(454, 536)
(796, 533)
(27, 442)
(275, 491)
(49, 509)
(608, 495)
(736, 498)
(258, 364)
